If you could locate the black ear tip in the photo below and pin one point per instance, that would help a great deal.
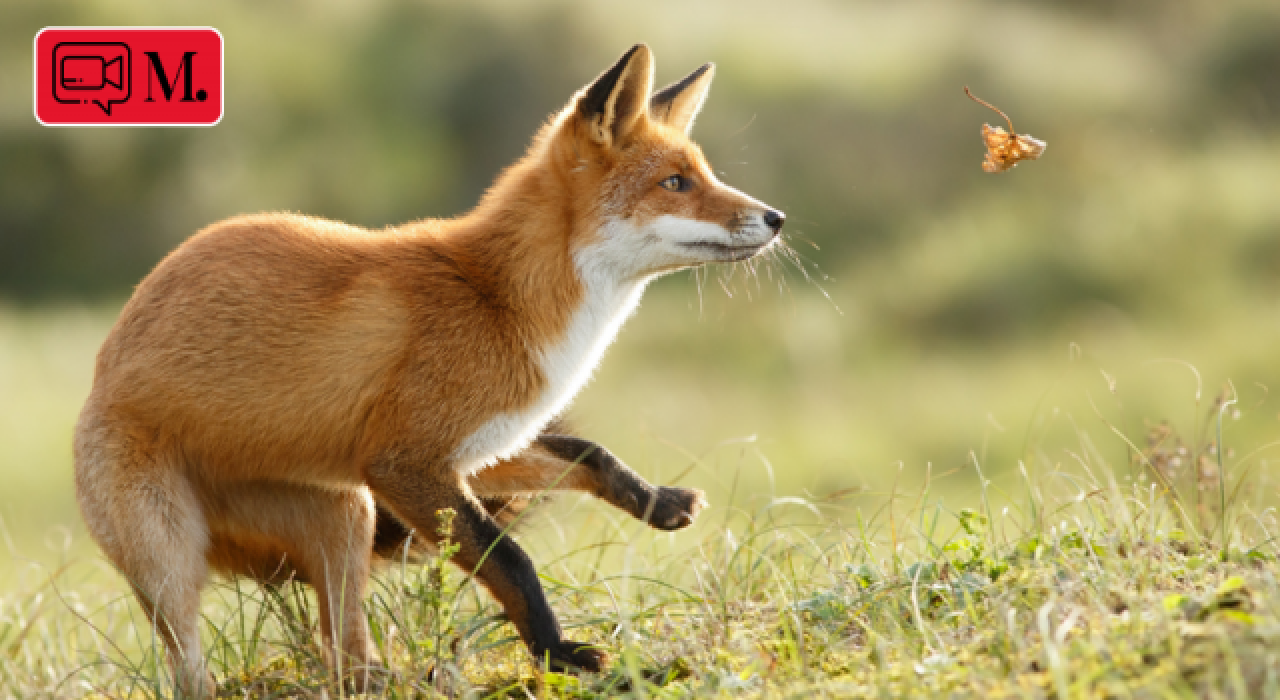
(669, 93)
(630, 53)
(598, 93)
(627, 56)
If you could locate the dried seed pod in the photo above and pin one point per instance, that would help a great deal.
(1005, 148)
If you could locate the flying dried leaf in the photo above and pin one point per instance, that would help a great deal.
(1005, 149)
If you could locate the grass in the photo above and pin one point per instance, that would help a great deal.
(1137, 566)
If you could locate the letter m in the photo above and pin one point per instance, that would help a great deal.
(156, 70)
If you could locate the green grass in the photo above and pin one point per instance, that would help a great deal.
(1134, 566)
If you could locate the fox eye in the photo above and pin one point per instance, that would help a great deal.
(676, 183)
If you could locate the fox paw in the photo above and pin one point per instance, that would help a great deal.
(675, 508)
(567, 656)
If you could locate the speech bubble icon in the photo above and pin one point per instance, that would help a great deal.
(92, 71)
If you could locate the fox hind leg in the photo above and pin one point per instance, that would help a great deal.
(274, 531)
(145, 514)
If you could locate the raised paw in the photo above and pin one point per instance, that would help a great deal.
(567, 656)
(675, 508)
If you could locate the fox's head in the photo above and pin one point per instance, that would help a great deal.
(653, 200)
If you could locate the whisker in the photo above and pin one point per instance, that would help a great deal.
(775, 261)
(733, 269)
(800, 235)
(755, 274)
(700, 278)
(750, 121)
(802, 264)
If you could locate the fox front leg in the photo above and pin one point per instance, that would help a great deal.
(416, 496)
(600, 473)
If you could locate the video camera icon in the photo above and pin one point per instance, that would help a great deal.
(92, 71)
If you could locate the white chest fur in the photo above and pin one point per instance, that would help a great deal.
(566, 362)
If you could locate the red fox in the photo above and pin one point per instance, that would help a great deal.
(278, 380)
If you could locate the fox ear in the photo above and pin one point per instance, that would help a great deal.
(613, 104)
(677, 104)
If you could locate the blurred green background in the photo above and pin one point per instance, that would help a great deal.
(944, 310)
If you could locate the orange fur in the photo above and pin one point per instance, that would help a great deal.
(276, 374)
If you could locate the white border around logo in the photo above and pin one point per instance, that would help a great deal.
(222, 78)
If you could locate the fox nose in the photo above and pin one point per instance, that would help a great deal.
(774, 219)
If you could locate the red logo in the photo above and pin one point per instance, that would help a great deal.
(128, 76)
